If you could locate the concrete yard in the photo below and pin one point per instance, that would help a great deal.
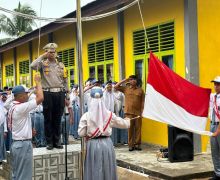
(143, 165)
(146, 162)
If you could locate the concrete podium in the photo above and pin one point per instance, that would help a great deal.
(50, 165)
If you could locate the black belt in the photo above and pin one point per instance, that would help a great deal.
(39, 112)
(214, 123)
(66, 114)
(100, 137)
(22, 140)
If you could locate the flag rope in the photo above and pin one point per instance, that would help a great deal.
(142, 20)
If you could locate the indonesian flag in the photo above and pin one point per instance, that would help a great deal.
(173, 100)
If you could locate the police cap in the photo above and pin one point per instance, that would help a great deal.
(50, 46)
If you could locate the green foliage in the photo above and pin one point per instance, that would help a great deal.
(16, 26)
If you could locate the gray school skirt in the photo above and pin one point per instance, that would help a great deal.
(100, 162)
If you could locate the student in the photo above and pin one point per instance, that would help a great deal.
(215, 128)
(96, 125)
(20, 125)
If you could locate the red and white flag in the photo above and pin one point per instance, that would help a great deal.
(173, 100)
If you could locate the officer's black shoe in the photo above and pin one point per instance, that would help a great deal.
(131, 148)
(58, 146)
(49, 146)
(138, 148)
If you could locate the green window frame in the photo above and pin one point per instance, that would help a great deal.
(9, 74)
(160, 40)
(101, 59)
(24, 73)
(67, 57)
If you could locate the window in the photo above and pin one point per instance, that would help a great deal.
(9, 74)
(67, 57)
(139, 71)
(160, 40)
(101, 73)
(109, 73)
(168, 60)
(92, 71)
(24, 75)
(72, 79)
(100, 59)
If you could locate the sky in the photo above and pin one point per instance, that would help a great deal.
(50, 8)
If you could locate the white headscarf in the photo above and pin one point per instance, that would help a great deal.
(97, 111)
(74, 96)
(109, 100)
(2, 115)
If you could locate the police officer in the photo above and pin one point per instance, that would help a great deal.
(54, 84)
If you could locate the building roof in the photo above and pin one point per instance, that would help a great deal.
(93, 8)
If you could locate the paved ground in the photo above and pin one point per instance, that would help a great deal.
(145, 161)
(149, 167)
(144, 165)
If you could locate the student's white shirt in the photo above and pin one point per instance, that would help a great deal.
(87, 97)
(74, 98)
(86, 126)
(8, 102)
(21, 120)
(109, 100)
(119, 101)
(3, 113)
(211, 106)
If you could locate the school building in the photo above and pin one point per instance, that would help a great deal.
(182, 33)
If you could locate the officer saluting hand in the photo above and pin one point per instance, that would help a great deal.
(54, 84)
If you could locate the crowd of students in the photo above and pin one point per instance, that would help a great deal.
(113, 99)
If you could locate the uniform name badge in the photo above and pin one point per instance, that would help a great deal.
(46, 68)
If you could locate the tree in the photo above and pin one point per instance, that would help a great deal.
(16, 26)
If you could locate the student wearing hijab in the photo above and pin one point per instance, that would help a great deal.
(108, 96)
(74, 99)
(3, 129)
(109, 100)
(122, 134)
(96, 126)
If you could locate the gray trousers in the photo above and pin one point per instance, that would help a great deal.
(21, 160)
(2, 143)
(215, 149)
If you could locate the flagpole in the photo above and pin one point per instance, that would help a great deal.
(80, 76)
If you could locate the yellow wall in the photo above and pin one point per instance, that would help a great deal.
(65, 38)
(22, 55)
(99, 30)
(209, 40)
(155, 12)
(7, 60)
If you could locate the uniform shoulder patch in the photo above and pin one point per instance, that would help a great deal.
(61, 64)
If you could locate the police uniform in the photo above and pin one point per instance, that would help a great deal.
(54, 84)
